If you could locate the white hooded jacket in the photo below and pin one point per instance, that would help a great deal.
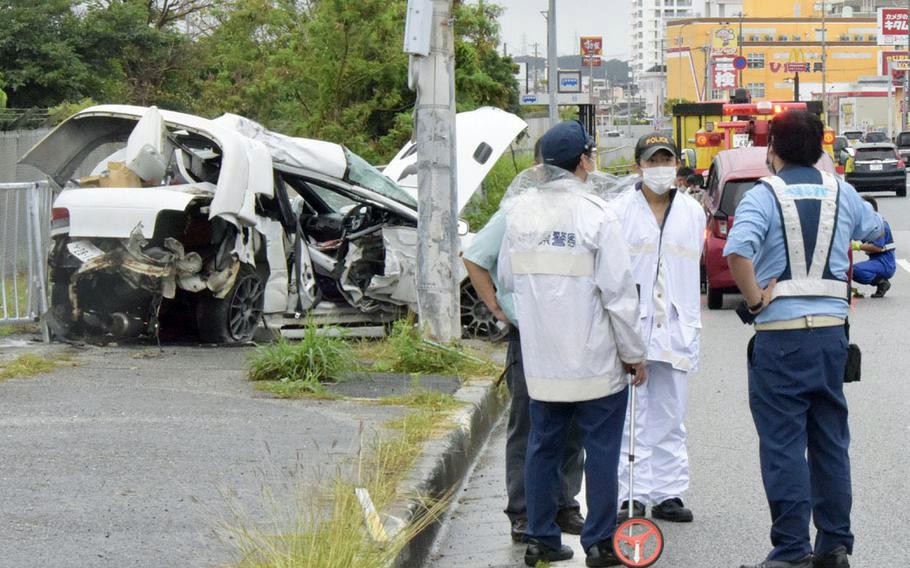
(666, 265)
(566, 262)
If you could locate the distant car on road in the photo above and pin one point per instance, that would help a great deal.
(877, 167)
(875, 137)
(853, 136)
(902, 141)
(732, 174)
(613, 134)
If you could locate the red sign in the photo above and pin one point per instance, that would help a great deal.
(724, 76)
(590, 61)
(592, 45)
(893, 21)
(887, 63)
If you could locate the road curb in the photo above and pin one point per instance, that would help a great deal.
(442, 466)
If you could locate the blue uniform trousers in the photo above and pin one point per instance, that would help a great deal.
(870, 271)
(796, 395)
(601, 422)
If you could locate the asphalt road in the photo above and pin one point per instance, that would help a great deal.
(132, 458)
(732, 522)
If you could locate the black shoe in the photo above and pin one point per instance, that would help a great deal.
(539, 552)
(519, 530)
(570, 521)
(602, 554)
(672, 510)
(623, 515)
(804, 563)
(882, 287)
(837, 558)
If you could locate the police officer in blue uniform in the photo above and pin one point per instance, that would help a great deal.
(788, 252)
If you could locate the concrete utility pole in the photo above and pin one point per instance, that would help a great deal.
(437, 225)
(553, 62)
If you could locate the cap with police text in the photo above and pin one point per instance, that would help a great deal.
(649, 144)
(564, 142)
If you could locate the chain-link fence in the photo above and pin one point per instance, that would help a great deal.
(13, 145)
(25, 214)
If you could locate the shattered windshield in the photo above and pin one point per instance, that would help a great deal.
(363, 174)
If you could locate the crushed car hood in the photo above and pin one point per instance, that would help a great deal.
(246, 165)
(481, 135)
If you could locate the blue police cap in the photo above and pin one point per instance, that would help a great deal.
(565, 142)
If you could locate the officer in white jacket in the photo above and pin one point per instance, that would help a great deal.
(664, 229)
(565, 261)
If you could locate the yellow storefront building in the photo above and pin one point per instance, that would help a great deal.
(780, 41)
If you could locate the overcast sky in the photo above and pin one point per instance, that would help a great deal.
(522, 25)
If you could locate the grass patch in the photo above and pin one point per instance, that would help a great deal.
(409, 352)
(293, 370)
(29, 365)
(424, 400)
(14, 301)
(325, 526)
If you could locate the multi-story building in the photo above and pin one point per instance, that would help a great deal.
(649, 20)
(722, 8)
(785, 43)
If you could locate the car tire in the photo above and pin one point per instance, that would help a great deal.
(901, 191)
(236, 317)
(715, 299)
(477, 322)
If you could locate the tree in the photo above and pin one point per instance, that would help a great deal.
(140, 64)
(482, 76)
(38, 56)
(335, 69)
(161, 14)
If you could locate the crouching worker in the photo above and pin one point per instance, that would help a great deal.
(881, 266)
(566, 262)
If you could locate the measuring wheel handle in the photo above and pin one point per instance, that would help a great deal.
(638, 542)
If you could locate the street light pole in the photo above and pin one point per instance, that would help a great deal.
(437, 223)
(553, 60)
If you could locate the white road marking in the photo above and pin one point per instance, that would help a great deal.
(905, 264)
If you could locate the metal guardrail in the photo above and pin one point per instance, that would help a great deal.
(25, 215)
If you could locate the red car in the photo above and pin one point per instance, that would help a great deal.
(732, 174)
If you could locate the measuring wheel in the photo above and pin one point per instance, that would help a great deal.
(638, 542)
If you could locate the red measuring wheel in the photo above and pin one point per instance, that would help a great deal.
(638, 542)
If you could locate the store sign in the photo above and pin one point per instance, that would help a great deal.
(796, 66)
(592, 45)
(569, 81)
(724, 75)
(892, 26)
(892, 63)
(590, 61)
(724, 41)
(796, 63)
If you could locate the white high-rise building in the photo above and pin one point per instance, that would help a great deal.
(648, 18)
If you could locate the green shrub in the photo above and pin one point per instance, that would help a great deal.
(316, 358)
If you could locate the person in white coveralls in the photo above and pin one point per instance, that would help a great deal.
(664, 229)
(565, 261)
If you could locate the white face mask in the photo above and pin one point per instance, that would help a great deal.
(659, 179)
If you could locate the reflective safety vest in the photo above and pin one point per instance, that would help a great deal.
(801, 279)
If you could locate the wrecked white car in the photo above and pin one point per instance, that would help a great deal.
(196, 228)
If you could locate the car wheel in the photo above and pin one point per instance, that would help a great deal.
(477, 321)
(902, 191)
(235, 318)
(715, 299)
